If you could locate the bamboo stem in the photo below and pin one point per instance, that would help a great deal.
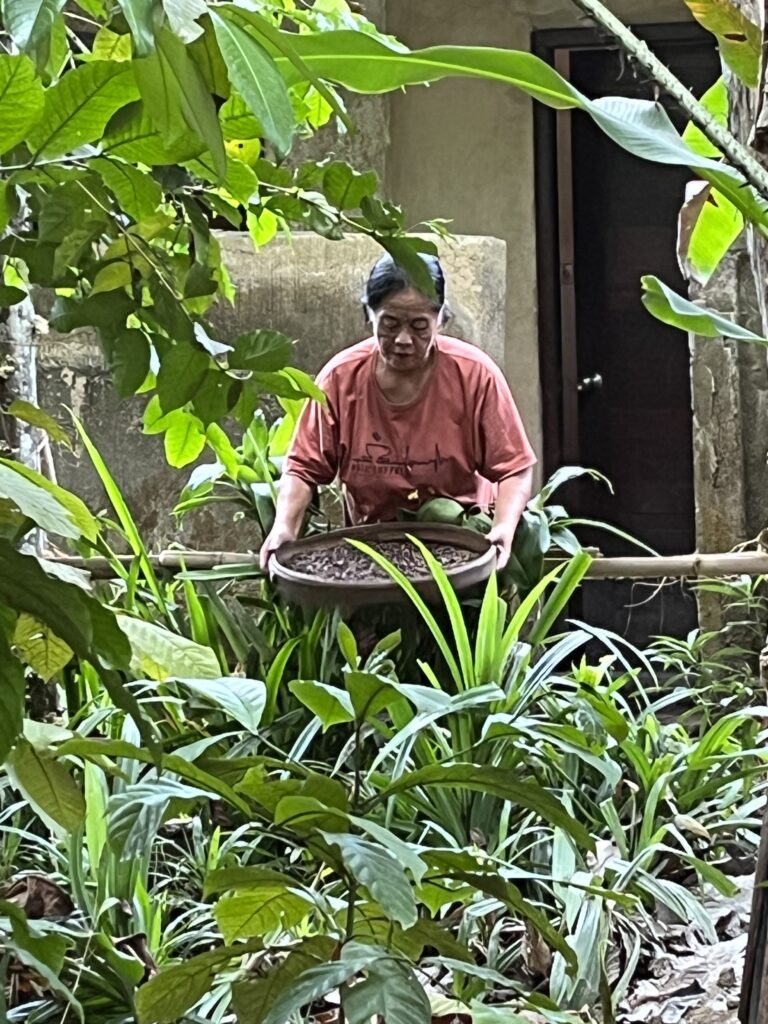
(740, 563)
(738, 155)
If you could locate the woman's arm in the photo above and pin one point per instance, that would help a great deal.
(293, 500)
(513, 495)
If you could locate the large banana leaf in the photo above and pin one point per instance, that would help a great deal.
(642, 127)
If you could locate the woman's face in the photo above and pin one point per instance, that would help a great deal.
(406, 325)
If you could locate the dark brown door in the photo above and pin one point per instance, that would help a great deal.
(616, 381)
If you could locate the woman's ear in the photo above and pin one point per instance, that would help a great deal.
(367, 313)
(446, 314)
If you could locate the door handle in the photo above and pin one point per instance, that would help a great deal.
(590, 383)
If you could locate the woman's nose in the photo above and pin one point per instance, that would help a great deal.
(403, 339)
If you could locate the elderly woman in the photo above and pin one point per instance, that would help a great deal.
(411, 414)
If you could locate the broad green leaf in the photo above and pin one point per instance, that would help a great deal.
(261, 351)
(21, 99)
(739, 39)
(184, 438)
(673, 309)
(176, 98)
(253, 998)
(39, 647)
(30, 24)
(136, 191)
(79, 106)
(709, 224)
(42, 951)
(375, 868)
(316, 981)
(167, 996)
(109, 45)
(77, 511)
(36, 417)
(253, 73)
(140, 15)
(135, 814)
(89, 628)
(159, 654)
(105, 311)
(274, 907)
(243, 878)
(715, 101)
(496, 782)
(132, 136)
(331, 705)
(182, 371)
(36, 503)
(242, 699)
(114, 275)
(182, 17)
(405, 853)
(47, 785)
(345, 188)
(128, 354)
(11, 698)
(390, 991)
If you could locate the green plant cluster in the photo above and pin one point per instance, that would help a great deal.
(232, 811)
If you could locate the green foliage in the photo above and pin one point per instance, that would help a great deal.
(676, 311)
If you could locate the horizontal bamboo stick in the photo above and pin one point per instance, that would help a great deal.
(738, 563)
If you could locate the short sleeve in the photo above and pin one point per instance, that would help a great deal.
(314, 452)
(504, 446)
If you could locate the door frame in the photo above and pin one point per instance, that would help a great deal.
(556, 275)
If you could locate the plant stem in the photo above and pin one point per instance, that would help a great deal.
(737, 154)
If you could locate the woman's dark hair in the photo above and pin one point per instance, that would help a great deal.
(387, 277)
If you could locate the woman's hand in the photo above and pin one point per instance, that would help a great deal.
(279, 534)
(513, 494)
(293, 499)
(502, 535)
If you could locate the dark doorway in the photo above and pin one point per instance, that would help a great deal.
(615, 381)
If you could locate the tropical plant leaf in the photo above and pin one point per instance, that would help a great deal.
(136, 191)
(253, 998)
(36, 417)
(140, 17)
(11, 698)
(36, 503)
(176, 98)
(159, 654)
(31, 23)
(132, 136)
(254, 74)
(168, 995)
(262, 351)
(39, 647)
(332, 705)
(184, 438)
(40, 950)
(135, 814)
(715, 102)
(708, 226)
(79, 106)
(85, 523)
(274, 907)
(316, 981)
(739, 39)
(391, 991)
(673, 309)
(242, 699)
(21, 98)
(499, 783)
(379, 872)
(73, 615)
(47, 785)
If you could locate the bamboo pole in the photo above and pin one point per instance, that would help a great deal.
(747, 563)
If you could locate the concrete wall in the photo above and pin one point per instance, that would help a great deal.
(463, 150)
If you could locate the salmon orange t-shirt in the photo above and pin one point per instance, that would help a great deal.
(460, 437)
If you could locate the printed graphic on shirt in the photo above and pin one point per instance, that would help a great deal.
(384, 460)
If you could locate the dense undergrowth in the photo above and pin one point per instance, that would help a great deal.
(255, 820)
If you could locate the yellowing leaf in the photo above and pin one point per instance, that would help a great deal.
(39, 647)
(740, 40)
